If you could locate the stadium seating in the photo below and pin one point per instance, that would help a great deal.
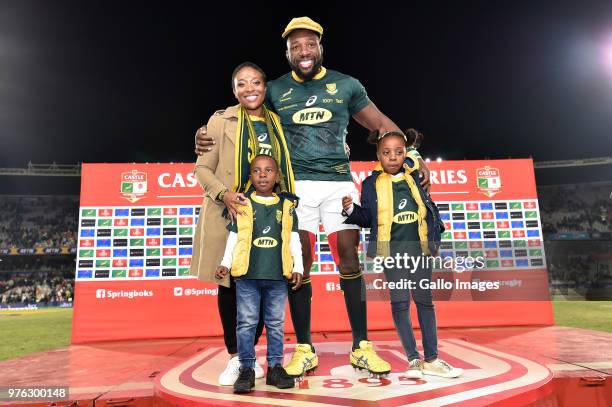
(38, 221)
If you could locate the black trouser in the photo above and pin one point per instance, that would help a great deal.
(226, 302)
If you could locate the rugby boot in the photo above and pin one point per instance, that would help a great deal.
(365, 357)
(303, 361)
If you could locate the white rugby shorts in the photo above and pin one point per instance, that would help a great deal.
(321, 202)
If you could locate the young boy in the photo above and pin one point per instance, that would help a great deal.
(403, 219)
(263, 250)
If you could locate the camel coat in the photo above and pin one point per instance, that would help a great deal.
(215, 172)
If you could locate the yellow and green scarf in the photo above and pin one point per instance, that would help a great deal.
(247, 147)
(384, 194)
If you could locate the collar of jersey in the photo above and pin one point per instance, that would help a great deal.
(318, 76)
(265, 200)
(256, 118)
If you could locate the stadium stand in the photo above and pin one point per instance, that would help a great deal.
(48, 222)
(40, 280)
(576, 211)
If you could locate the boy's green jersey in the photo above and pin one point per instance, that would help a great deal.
(265, 260)
(314, 115)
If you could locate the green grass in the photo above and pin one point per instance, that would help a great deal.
(25, 332)
(595, 315)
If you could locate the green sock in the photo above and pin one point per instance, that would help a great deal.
(354, 298)
(300, 308)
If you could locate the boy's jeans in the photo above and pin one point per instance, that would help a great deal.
(271, 294)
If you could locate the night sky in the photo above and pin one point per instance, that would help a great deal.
(130, 81)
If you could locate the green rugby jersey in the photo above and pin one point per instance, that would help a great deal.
(265, 259)
(263, 139)
(314, 115)
(405, 214)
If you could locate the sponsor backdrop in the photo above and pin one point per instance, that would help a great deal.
(136, 228)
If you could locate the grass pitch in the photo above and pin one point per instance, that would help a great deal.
(25, 332)
(595, 315)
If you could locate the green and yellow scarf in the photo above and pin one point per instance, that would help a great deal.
(247, 147)
(384, 194)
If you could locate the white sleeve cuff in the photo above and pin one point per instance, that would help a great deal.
(232, 239)
(296, 252)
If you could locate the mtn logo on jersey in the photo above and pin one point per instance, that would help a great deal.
(331, 88)
(133, 185)
(265, 242)
(405, 217)
(312, 115)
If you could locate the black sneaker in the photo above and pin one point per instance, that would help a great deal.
(277, 376)
(245, 381)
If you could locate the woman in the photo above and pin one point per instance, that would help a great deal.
(241, 132)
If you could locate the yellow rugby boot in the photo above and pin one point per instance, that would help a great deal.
(303, 361)
(365, 357)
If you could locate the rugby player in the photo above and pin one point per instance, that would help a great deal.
(315, 105)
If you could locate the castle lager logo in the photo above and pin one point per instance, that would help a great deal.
(133, 185)
(488, 180)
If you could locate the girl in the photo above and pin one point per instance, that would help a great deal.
(403, 219)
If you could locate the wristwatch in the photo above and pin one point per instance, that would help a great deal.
(221, 195)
